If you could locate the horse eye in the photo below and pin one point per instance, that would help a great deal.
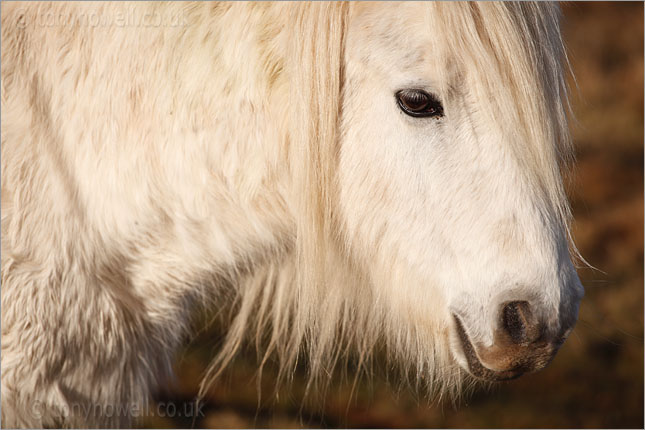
(418, 103)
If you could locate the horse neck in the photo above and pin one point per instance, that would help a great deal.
(243, 105)
(225, 169)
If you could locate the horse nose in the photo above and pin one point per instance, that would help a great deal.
(520, 323)
(522, 342)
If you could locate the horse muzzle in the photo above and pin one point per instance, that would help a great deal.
(521, 344)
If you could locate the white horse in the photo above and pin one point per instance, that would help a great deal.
(342, 175)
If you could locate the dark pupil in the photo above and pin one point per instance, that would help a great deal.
(418, 103)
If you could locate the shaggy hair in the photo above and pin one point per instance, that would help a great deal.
(94, 298)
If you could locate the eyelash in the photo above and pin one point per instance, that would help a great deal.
(418, 103)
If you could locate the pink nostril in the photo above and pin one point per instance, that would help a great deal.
(519, 323)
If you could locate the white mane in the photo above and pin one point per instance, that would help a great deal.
(149, 170)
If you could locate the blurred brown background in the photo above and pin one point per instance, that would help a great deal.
(597, 378)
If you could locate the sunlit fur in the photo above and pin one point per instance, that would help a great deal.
(254, 160)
